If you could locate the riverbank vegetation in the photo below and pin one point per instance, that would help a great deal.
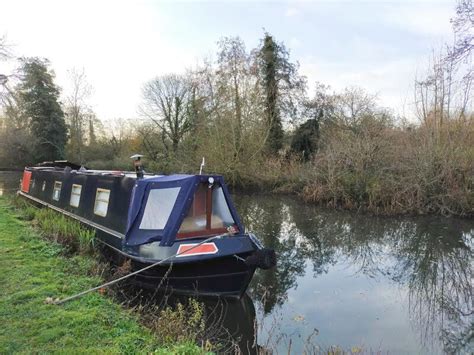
(38, 264)
(248, 112)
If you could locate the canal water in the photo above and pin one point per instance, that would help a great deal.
(9, 182)
(351, 282)
(388, 285)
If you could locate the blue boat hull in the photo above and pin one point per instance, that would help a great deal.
(225, 276)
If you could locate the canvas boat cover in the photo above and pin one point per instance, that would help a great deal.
(159, 205)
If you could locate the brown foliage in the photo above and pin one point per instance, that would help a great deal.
(398, 170)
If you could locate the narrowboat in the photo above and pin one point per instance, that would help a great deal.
(186, 221)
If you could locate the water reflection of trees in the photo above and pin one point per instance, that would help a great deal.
(435, 261)
(432, 257)
(268, 219)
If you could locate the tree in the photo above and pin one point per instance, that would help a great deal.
(228, 125)
(78, 114)
(5, 54)
(166, 101)
(200, 104)
(4, 48)
(463, 26)
(269, 62)
(320, 109)
(305, 139)
(283, 88)
(16, 149)
(443, 93)
(39, 100)
(352, 107)
(232, 71)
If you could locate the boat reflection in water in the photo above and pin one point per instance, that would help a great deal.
(236, 322)
(230, 323)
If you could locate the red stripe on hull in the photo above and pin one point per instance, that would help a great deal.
(192, 249)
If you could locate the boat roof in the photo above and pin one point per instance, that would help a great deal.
(59, 164)
(184, 184)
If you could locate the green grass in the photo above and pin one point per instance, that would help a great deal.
(32, 269)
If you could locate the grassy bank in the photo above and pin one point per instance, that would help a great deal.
(33, 269)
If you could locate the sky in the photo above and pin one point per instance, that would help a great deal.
(378, 45)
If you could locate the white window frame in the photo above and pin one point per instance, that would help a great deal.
(101, 200)
(60, 184)
(73, 193)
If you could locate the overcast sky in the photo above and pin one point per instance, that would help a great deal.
(378, 45)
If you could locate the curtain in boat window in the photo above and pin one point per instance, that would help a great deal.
(75, 195)
(57, 190)
(101, 202)
(158, 208)
(195, 220)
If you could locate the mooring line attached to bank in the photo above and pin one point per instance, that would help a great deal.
(80, 294)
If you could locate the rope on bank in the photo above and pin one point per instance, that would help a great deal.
(80, 294)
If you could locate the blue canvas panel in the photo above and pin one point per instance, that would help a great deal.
(188, 184)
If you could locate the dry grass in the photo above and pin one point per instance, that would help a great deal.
(398, 170)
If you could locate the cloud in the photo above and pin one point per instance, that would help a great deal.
(295, 42)
(422, 18)
(292, 12)
(392, 81)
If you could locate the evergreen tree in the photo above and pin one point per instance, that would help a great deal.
(321, 110)
(38, 97)
(269, 64)
(305, 139)
(283, 87)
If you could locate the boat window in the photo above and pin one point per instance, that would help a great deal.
(220, 209)
(101, 205)
(75, 195)
(158, 208)
(208, 214)
(44, 186)
(57, 190)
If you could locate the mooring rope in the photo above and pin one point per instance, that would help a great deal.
(80, 294)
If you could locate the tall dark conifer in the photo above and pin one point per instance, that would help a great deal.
(283, 87)
(39, 99)
(269, 66)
